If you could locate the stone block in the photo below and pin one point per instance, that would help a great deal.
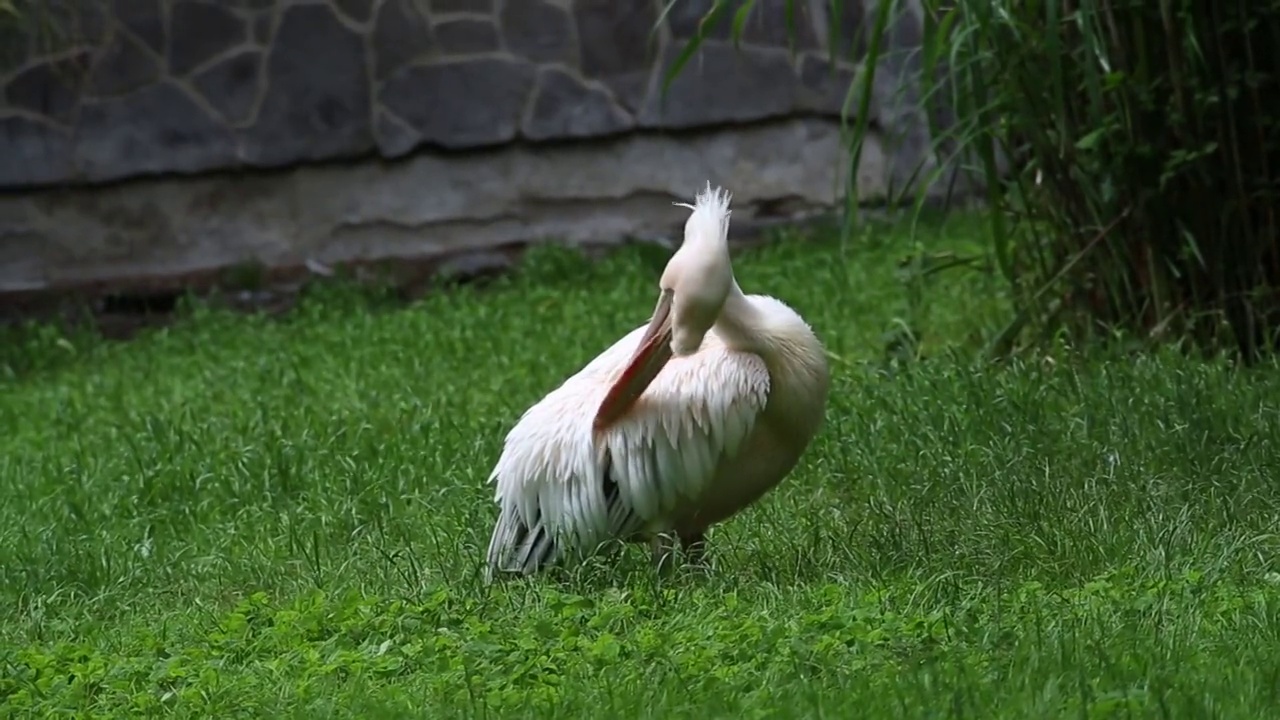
(615, 47)
(824, 85)
(263, 26)
(61, 25)
(231, 85)
(685, 18)
(486, 96)
(144, 19)
(253, 5)
(393, 136)
(479, 7)
(538, 31)
(206, 30)
(766, 22)
(360, 11)
(154, 130)
(274, 83)
(123, 65)
(50, 88)
(467, 36)
(14, 51)
(847, 23)
(34, 152)
(400, 35)
(430, 205)
(567, 107)
(722, 84)
(317, 101)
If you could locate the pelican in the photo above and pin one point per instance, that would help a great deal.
(678, 426)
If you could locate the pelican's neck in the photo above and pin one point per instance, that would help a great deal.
(739, 323)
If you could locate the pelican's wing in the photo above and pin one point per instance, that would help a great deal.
(560, 487)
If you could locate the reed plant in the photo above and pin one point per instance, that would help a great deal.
(1128, 150)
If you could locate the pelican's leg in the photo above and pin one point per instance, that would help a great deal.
(662, 546)
(694, 545)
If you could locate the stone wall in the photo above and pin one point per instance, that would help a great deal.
(121, 119)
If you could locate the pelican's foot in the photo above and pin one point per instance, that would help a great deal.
(662, 547)
(695, 550)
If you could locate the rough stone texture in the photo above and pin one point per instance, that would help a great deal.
(137, 89)
(13, 55)
(486, 97)
(123, 65)
(462, 6)
(231, 85)
(566, 107)
(824, 86)
(317, 102)
(428, 205)
(766, 24)
(207, 30)
(71, 23)
(625, 61)
(394, 136)
(538, 31)
(274, 83)
(467, 36)
(896, 97)
(33, 151)
(154, 130)
(144, 19)
(723, 84)
(400, 35)
(358, 10)
(848, 23)
(51, 88)
(263, 26)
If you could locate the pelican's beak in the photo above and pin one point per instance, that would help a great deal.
(650, 356)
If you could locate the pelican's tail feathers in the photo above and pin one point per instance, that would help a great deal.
(518, 548)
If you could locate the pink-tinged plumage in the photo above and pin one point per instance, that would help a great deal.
(679, 425)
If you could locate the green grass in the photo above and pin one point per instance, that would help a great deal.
(241, 516)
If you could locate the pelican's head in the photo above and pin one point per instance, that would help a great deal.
(695, 285)
(699, 276)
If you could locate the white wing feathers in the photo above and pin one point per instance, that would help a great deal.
(559, 490)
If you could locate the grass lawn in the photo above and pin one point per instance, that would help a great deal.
(247, 517)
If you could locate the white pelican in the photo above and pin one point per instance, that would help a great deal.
(679, 425)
